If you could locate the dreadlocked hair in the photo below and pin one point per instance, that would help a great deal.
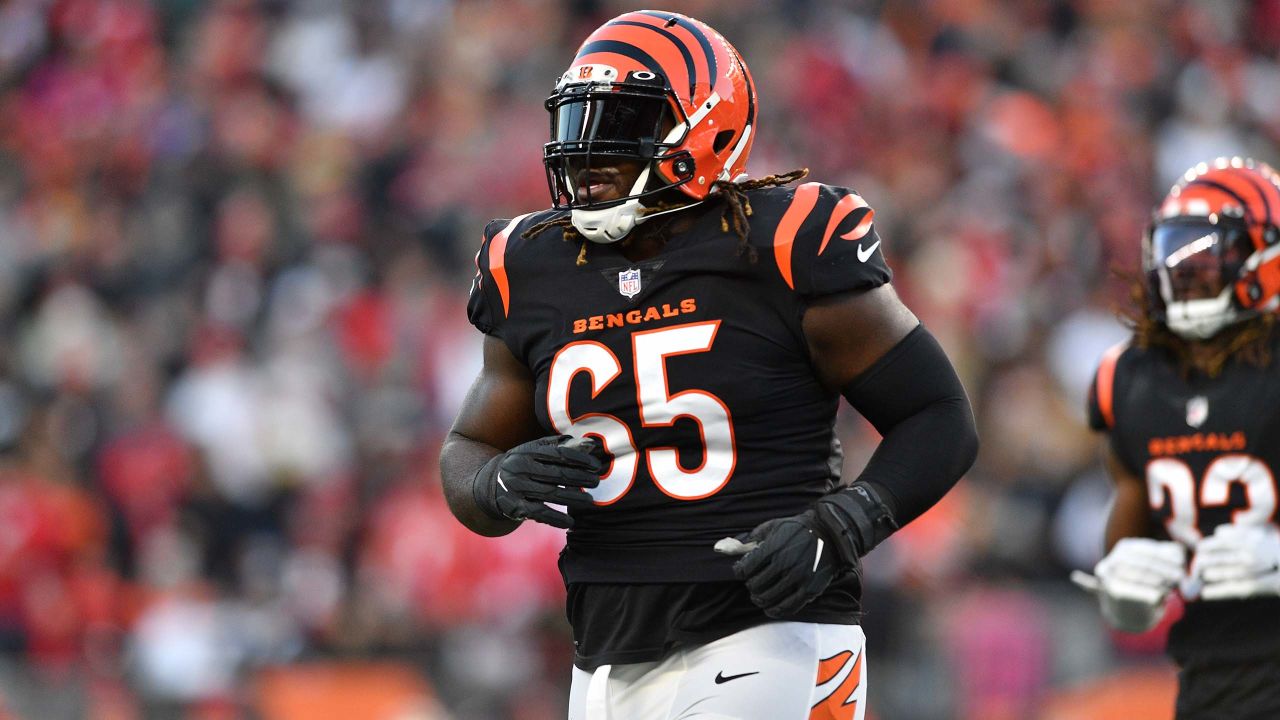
(738, 206)
(1248, 341)
(735, 218)
(565, 223)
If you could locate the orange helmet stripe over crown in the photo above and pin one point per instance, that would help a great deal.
(1228, 184)
(1256, 200)
(672, 59)
(712, 54)
(689, 55)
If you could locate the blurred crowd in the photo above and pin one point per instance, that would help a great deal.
(235, 246)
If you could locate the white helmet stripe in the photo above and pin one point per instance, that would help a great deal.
(737, 150)
(1256, 259)
(704, 109)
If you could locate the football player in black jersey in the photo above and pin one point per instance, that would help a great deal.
(665, 352)
(1191, 405)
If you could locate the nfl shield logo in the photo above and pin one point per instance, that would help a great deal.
(1197, 411)
(629, 282)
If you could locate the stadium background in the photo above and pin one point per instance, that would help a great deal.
(235, 244)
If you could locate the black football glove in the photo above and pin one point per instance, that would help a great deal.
(556, 469)
(788, 562)
(791, 563)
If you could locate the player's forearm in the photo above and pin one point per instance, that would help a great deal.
(922, 457)
(914, 398)
(461, 458)
(1130, 509)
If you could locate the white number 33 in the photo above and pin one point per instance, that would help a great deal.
(1174, 478)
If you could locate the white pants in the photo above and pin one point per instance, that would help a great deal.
(775, 671)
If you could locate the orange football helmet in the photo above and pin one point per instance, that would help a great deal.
(655, 87)
(1212, 251)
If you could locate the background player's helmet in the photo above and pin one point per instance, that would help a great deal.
(1212, 252)
(655, 87)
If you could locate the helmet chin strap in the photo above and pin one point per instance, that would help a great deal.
(611, 224)
(1200, 319)
(608, 225)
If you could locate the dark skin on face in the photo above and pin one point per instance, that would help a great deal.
(608, 180)
(611, 178)
(614, 180)
(1197, 281)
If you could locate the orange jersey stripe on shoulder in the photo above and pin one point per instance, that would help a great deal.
(847, 204)
(784, 237)
(1107, 382)
(498, 263)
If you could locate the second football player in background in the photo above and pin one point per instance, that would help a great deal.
(1191, 406)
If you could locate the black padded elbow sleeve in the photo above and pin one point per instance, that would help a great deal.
(914, 398)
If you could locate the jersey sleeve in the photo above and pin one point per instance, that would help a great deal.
(490, 298)
(836, 247)
(1102, 391)
(1105, 410)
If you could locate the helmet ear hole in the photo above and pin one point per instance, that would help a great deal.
(723, 138)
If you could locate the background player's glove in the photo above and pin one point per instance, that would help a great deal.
(518, 483)
(1238, 561)
(787, 563)
(1133, 581)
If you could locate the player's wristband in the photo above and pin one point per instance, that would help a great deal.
(857, 520)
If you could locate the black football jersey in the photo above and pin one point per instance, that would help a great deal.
(692, 367)
(1208, 450)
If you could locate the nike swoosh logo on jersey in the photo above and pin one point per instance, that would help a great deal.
(864, 254)
(721, 678)
(817, 556)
